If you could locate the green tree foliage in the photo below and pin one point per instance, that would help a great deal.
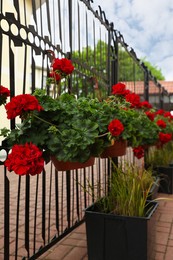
(93, 66)
(155, 71)
(129, 70)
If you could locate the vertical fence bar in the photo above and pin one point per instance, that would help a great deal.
(35, 214)
(57, 201)
(44, 206)
(68, 182)
(6, 215)
(48, 19)
(77, 193)
(17, 217)
(60, 26)
(0, 56)
(16, 5)
(34, 13)
(49, 209)
(12, 75)
(27, 203)
(146, 85)
(33, 72)
(24, 70)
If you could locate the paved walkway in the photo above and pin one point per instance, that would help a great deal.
(74, 246)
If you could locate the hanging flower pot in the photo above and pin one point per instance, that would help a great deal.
(66, 166)
(115, 150)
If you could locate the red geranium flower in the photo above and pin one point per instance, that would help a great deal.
(138, 152)
(161, 123)
(120, 89)
(160, 112)
(115, 127)
(20, 104)
(4, 93)
(25, 159)
(55, 75)
(134, 99)
(165, 138)
(63, 66)
(146, 104)
(150, 115)
(168, 114)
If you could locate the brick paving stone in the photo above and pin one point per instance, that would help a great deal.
(170, 236)
(74, 242)
(58, 253)
(76, 254)
(159, 256)
(160, 248)
(170, 242)
(162, 238)
(163, 224)
(169, 253)
(166, 218)
(163, 229)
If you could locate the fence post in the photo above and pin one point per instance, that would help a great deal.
(146, 85)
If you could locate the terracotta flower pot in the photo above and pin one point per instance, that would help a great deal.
(66, 166)
(115, 150)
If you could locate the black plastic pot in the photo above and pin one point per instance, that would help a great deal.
(166, 179)
(112, 237)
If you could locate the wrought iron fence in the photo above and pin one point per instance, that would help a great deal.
(40, 210)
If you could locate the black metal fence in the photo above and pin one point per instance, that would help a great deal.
(38, 211)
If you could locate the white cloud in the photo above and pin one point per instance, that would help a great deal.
(147, 26)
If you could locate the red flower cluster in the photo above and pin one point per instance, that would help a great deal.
(55, 76)
(120, 89)
(25, 159)
(115, 127)
(165, 138)
(150, 115)
(161, 123)
(164, 113)
(168, 114)
(134, 99)
(63, 66)
(138, 152)
(145, 104)
(160, 112)
(20, 104)
(4, 93)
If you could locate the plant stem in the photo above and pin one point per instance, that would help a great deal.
(103, 134)
(41, 119)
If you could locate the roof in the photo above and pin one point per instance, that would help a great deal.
(138, 87)
(168, 85)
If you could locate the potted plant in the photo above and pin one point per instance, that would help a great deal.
(120, 225)
(160, 156)
(141, 131)
(65, 130)
(160, 159)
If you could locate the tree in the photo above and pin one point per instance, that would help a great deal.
(155, 71)
(92, 65)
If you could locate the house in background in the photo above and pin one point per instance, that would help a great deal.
(160, 96)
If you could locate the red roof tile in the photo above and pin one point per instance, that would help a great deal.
(138, 87)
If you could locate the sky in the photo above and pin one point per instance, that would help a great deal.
(147, 27)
